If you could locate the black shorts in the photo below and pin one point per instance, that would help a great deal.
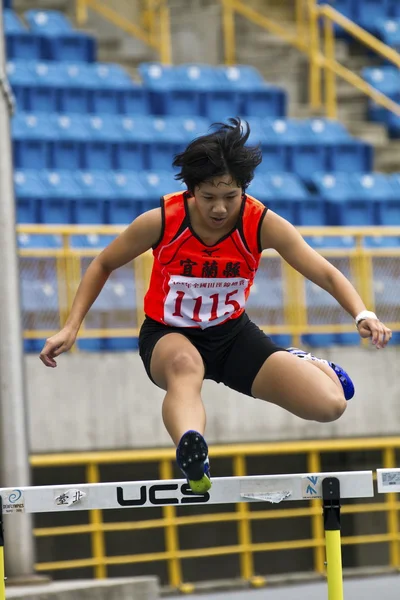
(233, 353)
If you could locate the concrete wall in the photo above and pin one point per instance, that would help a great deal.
(105, 401)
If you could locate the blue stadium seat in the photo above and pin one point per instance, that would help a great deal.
(350, 156)
(388, 210)
(61, 194)
(288, 193)
(130, 199)
(378, 189)
(242, 77)
(99, 151)
(96, 194)
(20, 43)
(269, 101)
(134, 138)
(72, 134)
(166, 96)
(158, 184)
(191, 127)
(325, 130)
(348, 8)
(75, 93)
(347, 201)
(304, 156)
(260, 189)
(114, 92)
(21, 80)
(44, 95)
(388, 30)
(29, 191)
(394, 9)
(257, 98)
(216, 103)
(60, 40)
(166, 140)
(386, 79)
(32, 136)
(370, 12)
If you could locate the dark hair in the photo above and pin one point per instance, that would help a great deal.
(219, 153)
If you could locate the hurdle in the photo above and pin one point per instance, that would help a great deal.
(331, 488)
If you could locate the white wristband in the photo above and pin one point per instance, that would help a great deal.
(365, 314)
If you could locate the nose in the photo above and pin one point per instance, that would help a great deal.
(218, 208)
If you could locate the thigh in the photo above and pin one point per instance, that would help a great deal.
(175, 356)
(299, 387)
(248, 352)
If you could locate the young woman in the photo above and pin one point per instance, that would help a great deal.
(207, 244)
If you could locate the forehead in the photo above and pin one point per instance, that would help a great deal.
(220, 185)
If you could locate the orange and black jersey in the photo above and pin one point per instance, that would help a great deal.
(195, 285)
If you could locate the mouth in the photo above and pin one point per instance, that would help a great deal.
(218, 220)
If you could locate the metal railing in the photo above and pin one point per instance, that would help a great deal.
(292, 315)
(313, 455)
(154, 29)
(306, 37)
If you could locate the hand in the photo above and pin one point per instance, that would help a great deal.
(376, 330)
(56, 345)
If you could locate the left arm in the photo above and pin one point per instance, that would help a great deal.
(279, 234)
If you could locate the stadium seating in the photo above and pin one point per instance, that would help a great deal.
(92, 146)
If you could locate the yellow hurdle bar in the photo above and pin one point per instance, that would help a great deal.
(331, 503)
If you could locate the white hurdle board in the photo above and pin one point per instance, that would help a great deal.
(225, 490)
(388, 480)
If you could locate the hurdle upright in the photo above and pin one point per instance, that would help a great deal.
(331, 488)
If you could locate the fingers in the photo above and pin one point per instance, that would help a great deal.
(48, 353)
(380, 334)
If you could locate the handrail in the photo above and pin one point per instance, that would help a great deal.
(330, 16)
(307, 40)
(156, 36)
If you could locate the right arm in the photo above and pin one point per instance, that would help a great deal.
(140, 236)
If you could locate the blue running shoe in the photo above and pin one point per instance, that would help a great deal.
(344, 378)
(192, 459)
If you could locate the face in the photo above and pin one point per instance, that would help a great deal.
(218, 201)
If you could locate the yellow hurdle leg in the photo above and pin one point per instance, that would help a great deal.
(331, 503)
(334, 568)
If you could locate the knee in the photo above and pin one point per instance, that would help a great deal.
(334, 407)
(184, 363)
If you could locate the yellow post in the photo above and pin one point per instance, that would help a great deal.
(244, 529)
(165, 35)
(389, 462)
(81, 12)
(331, 501)
(314, 466)
(330, 77)
(315, 69)
(334, 560)
(96, 520)
(171, 532)
(228, 24)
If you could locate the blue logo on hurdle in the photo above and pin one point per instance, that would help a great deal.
(14, 496)
(311, 488)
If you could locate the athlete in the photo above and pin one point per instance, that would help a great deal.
(207, 244)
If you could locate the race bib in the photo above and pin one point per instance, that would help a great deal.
(197, 302)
